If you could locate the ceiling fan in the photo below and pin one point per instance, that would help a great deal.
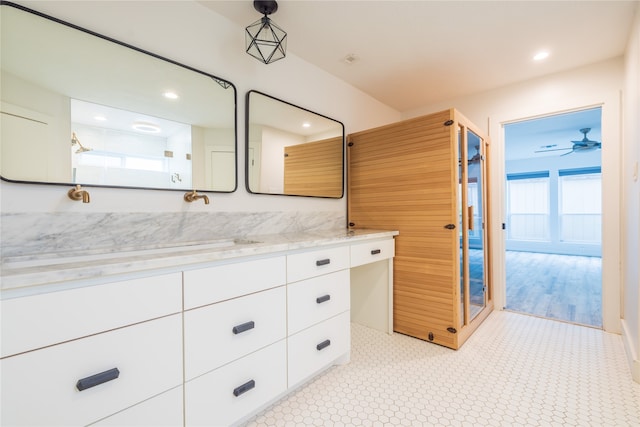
(578, 146)
(475, 158)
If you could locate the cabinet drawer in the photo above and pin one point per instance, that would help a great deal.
(41, 387)
(164, 410)
(41, 320)
(217, 334)
(209, 285)
(317, 347)
(314, 263)
(364, 253)
(210, 400)
(314, 300)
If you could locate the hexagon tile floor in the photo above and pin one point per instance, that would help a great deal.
(516, 370)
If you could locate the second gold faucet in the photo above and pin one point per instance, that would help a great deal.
(78, 193)
(191, 196)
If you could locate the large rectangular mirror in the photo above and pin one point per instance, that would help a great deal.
(81, 108)
(292, 151)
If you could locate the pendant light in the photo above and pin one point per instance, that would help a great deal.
(265, 40)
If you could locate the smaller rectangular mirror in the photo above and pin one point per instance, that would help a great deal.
(292, 151)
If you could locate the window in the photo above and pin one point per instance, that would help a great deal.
(528, 206)
(580, 192)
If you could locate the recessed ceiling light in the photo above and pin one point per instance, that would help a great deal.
(146, 127)
(170, 95)
(306, 125)
(540, 55)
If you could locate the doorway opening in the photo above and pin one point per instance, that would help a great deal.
(553, 195)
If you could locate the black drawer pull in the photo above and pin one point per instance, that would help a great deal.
(323, 344)
(244, 388)
(323, 262)
(244, 327)
(375, 251)
(323, 298)
(97, 379)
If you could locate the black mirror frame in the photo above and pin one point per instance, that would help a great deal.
(219, 80)
(246, 156)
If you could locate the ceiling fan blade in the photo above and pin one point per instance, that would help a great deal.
(566, 154)
(554, 149)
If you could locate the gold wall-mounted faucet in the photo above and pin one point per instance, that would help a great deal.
(193, 196)
(77, 193)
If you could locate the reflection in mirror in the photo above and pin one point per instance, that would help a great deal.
(78, 108)
(291, 150)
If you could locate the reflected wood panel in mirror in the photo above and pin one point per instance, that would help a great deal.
(81, 108)
(292, 151)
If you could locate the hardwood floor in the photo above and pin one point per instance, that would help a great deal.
(561, 287)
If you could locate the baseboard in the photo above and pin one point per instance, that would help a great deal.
(632, 355)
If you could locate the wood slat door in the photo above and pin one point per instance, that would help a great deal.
(402, 177)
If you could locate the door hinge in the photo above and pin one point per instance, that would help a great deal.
(450, 226)
(504, 226)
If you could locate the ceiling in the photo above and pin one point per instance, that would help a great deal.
(409, 54)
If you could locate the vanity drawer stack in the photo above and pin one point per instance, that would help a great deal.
(234, 339)
(77, 356)
(318, 301)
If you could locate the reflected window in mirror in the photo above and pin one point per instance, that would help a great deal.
(291, 150)
(80, 108)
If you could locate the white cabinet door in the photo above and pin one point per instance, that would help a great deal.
(45, 319)
(220, 333)
(308, 264)
(368, 252)
(318, 347)
(209, 285)
(42, 387)
(164, 410)
(314, 300)
(235, 391)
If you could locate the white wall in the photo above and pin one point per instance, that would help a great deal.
(189, 33)
(594, 85)
(631, 200)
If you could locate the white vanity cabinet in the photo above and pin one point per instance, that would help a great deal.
(318, 302)
(203, 343)
(92, 352)
(372, 284)
(234, 340)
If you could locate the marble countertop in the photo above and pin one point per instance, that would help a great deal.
(46, 270)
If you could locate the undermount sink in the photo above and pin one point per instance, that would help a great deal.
(62, 258)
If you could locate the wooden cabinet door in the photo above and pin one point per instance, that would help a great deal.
(402, 177)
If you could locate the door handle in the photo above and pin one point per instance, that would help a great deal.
(470, 217)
